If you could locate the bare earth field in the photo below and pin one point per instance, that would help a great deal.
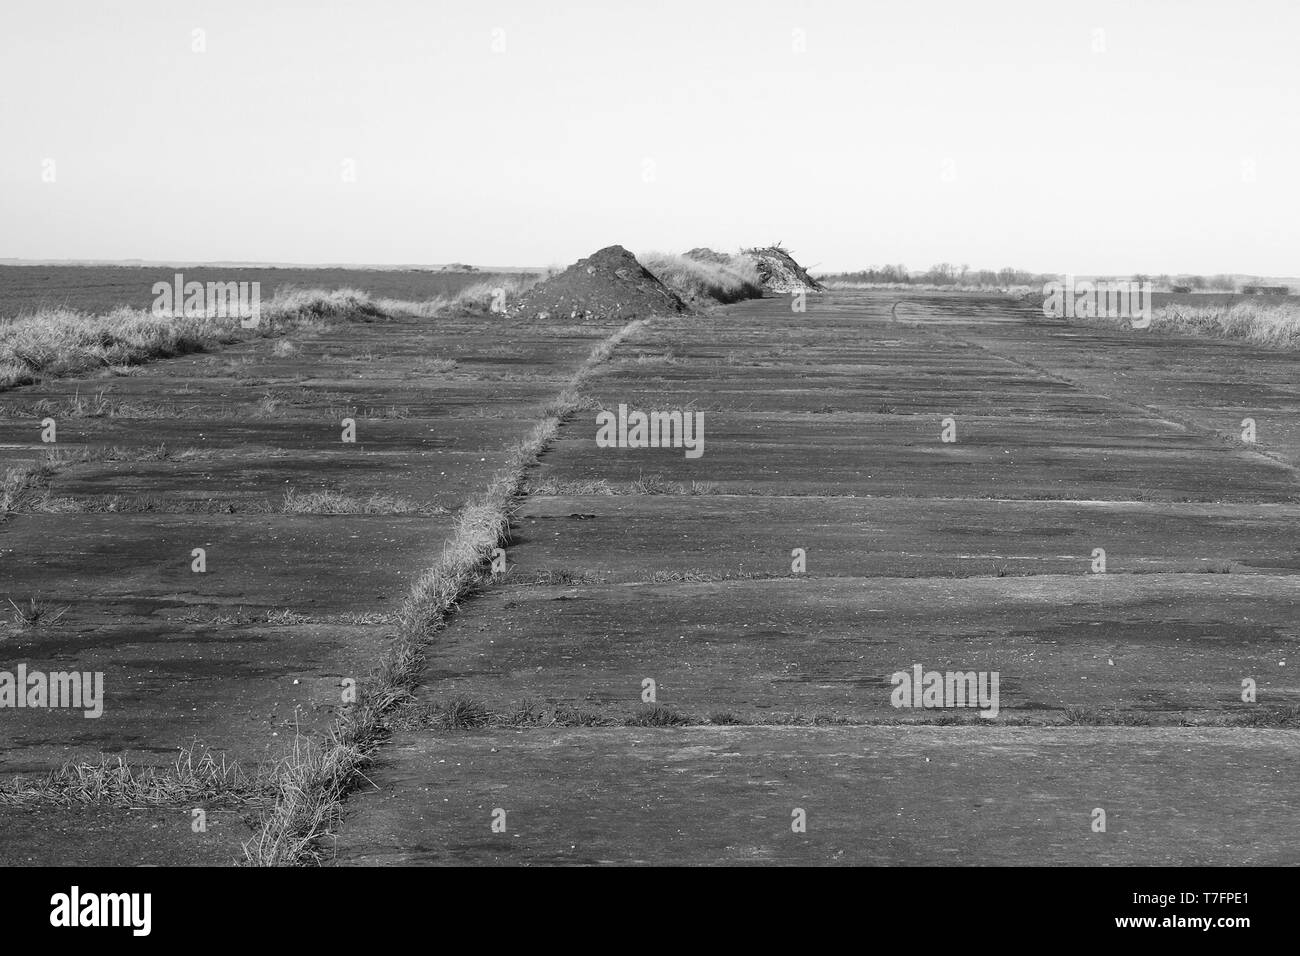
(1119, 690)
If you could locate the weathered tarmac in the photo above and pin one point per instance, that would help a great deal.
(243, 658)
(945, 796)
(1121, 690)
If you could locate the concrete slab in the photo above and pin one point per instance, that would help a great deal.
(242, 690)
(1165, 646)
(629, 538)
(1212, 383)
(103, 566)
(870, 796)
(970, 557)
(1118, 458)
(83, 836)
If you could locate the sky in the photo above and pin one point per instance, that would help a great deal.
(1097, 137)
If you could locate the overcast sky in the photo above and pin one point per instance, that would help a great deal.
(1085, 137)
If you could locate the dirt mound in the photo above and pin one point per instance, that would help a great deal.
(779, 271)
(607, 284)
(705, 254)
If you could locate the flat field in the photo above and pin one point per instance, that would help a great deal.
(28, 289)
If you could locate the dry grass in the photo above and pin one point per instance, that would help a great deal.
(315, 780)
(653, 484)
(285, 617)
(61, 342)
(570, 488)
(361, 618)
(406, 308)
(191, 779)
(55, 342)
(689, 577)
(496, 295)
(64, 457)
(705, 282)
(563, 577)
(25, 487)
(292, 306)
(331, 501)
(656, 715)
(1273, 326)
(35, 614)
(435, 366)
(103, 405)
(459, 713)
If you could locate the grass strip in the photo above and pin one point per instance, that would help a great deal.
(316, 780)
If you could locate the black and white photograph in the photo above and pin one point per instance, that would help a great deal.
(628, 435)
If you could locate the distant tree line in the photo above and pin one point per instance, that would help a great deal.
(947, 274)
(1190, 283)
(944, 273)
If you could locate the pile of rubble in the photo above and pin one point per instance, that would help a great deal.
(779, 272)
(608, 284)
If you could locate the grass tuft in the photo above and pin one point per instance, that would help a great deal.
(1087, 717)
(333, 502)
(36, 614)
(562, 577)
(459, 713)
(193, 778)
(656, 715)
